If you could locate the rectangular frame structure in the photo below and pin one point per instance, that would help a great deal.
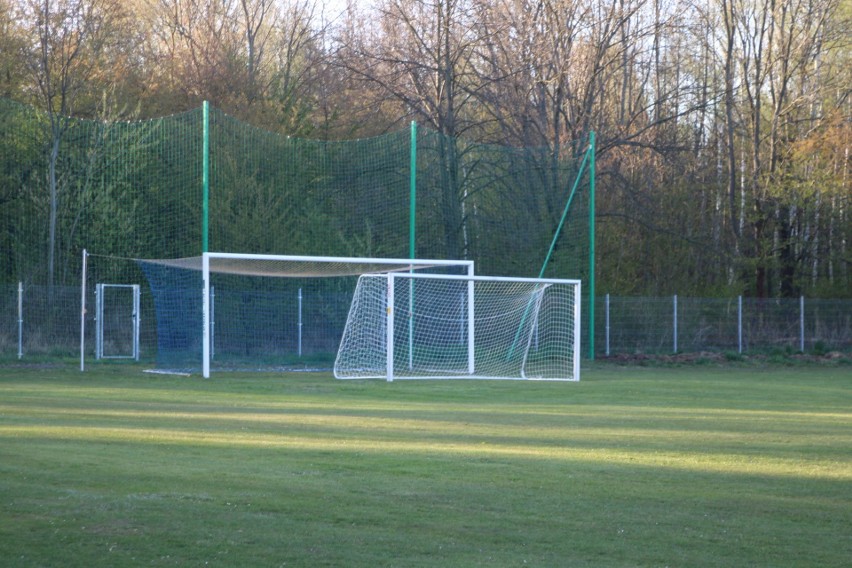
(453, 339)
(276, 266)
(101, 291)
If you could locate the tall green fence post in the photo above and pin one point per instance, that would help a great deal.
(205, 177)
(412, 204)
(412, 224)
(592, 245)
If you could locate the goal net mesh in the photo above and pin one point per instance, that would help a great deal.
(265, 312)
(411, 326)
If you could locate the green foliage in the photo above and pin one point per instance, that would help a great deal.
(134, 189)
(733, 356)
(820, 348)
(20, 170)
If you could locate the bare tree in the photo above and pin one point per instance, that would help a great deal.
(777, 42)
(419, 55)
(258, 59)
(259, 20)
(419, 59)
(73, 40)
(12, 41)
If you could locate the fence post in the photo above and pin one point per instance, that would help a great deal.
(740, 324)
(212, 322)
(674, 321)
(205, 176)
(20, 320)
(606, 311)
(300, 322)
(802, 324)
(83, 312)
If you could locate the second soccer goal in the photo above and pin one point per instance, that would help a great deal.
(409, 326)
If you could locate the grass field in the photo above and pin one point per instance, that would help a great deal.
(686, 466)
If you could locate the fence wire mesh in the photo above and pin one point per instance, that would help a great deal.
(658, 325)
(45, 329)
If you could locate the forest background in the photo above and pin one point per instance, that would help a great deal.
(723, 126)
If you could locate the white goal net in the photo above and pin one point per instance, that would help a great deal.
(407, 326)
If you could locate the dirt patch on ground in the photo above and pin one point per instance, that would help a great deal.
(718, 358)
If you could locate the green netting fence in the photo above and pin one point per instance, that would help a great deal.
(203, 180)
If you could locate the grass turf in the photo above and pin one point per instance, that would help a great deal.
(688, 466)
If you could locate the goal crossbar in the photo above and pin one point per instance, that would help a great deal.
(301, 266)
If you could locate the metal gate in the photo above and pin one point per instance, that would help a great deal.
(117, 321)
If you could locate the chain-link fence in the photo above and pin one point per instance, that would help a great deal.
(657, 325)
(309, 320)
(37, 323)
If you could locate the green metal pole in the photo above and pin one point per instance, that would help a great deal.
(412, 216)
(552, 245)
(205, 178)
(412, 206)
(592, 245)
(564, 216)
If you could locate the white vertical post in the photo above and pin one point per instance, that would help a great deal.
(471, 330)
(739, 324)
(136, 318)
(205, 317)
(389, 328)
(20, 320)
(99, 321)
(83, 313)
(410, 322)
(577, 317)
(674, 322)
(212, 323)
(606, 310)
(300, 322)
(802, 324)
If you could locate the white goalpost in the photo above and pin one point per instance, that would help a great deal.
(409, 326)
(295, 266)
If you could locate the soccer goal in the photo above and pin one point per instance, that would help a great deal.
(250, 311)
(409, 326)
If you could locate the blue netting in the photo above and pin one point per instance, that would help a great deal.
(177, 294)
